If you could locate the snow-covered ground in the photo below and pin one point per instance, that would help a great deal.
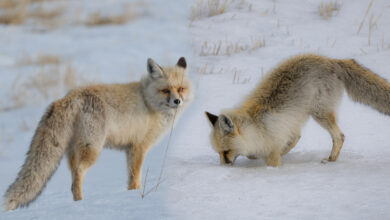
(228, 54)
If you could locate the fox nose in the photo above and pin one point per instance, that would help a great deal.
(176, 101)
(226, 158)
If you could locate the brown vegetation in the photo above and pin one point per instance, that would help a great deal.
(209, 8)
(51, 80)
(48, 14)
(41, 60)
(15, 12)
(97, 18)
(328, 9)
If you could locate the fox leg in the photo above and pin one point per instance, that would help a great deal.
(328, 121)
(274, 158)
(80, 161)
(72, 160)
(291, 144)
(135, 158)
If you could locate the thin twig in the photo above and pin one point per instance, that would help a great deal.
(146, 179)
(370, 29)
(371, 24)
(365, 16)
(153, 188)
(166, 152)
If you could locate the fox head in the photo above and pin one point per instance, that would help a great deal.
(167, 88)
(235, 134)
(225, 137)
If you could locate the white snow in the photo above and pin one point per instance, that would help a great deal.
(196, 186)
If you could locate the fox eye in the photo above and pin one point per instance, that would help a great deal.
(165, 91)
(180, 89)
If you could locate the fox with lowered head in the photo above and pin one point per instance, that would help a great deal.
(268, 124)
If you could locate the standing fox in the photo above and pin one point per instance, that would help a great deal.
(269, 122)
(129, 117)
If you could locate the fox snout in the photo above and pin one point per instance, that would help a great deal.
(226, 157)
(174, 102)
(174, 97)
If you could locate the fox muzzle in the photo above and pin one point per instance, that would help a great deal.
(226, 157)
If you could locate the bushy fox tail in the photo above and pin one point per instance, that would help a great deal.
(364, 86)
(47, 147)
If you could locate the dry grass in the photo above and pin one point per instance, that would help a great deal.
(365, 16)
(371, 23)
(238, 76)
(49, 14)
(48, 18)
(98, 18)
(32, 89)
(6, 4)
(40, 1)
(209, 8)
(208, 70)
(202, 70)
(41, 60)
(217, 7)
(13, 12)
(51, 80)
(329, 9)
(238, 79)
(16, 12)
(43, 13)
(228, 48)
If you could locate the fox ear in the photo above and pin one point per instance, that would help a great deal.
(226, 124)
(182, 62)
(212, 118)
(155, 71)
